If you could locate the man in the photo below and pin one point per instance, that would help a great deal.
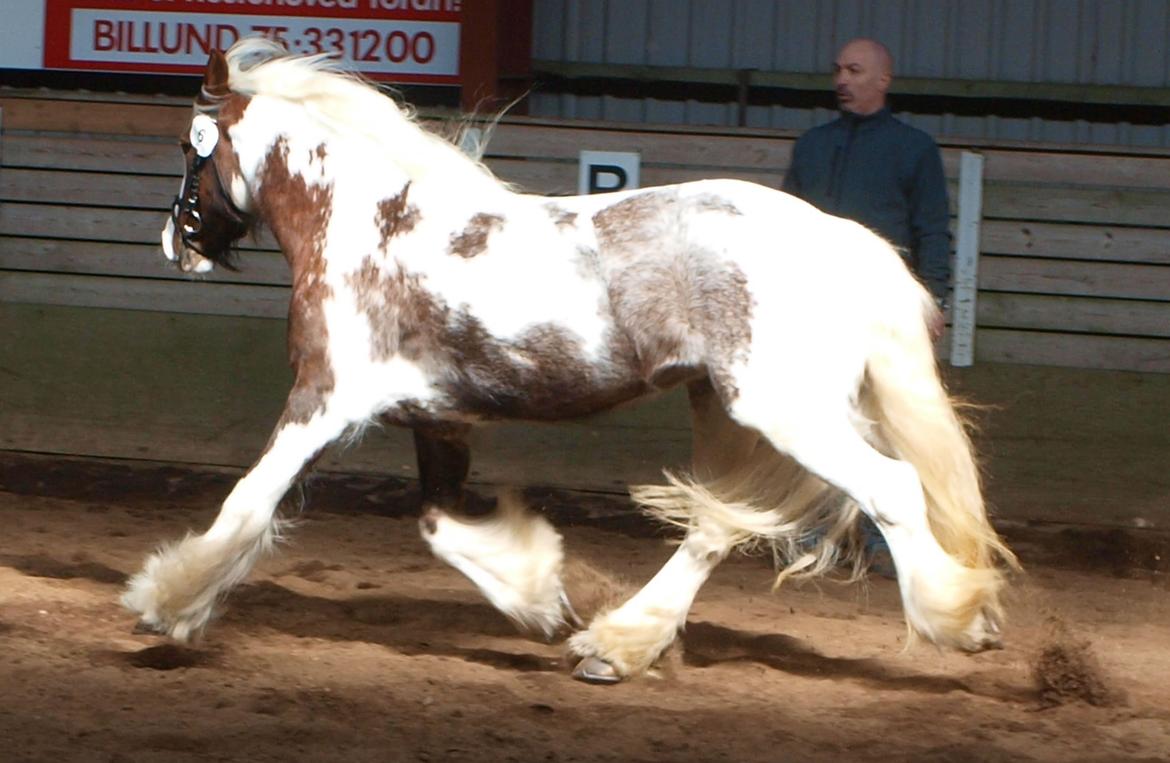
(868, 166)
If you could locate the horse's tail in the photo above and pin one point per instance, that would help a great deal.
(917, 421)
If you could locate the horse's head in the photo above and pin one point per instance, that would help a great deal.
(205, 220)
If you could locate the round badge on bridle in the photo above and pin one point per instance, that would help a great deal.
(204, 135)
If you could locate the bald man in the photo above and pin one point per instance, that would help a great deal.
(870, 167)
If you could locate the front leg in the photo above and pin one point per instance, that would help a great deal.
(180, 584)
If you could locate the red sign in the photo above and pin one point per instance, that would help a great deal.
(394, 40)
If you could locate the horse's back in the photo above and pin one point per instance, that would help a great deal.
(705, 274)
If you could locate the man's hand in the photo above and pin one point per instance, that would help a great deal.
(938, 321)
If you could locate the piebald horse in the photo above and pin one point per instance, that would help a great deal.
(428, 294)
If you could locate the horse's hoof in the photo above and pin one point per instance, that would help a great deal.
(984, 634)
(143, 628)
(594, 670)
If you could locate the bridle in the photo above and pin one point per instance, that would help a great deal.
(185, 208)
(185, 215)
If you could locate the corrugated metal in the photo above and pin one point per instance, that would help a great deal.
(1102, 42)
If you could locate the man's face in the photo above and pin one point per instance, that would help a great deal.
(861, 76)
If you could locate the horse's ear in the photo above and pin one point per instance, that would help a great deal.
(215, 78)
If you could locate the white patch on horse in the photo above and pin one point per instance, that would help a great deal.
(168, 240)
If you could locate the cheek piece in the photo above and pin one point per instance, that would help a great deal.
(185, 208)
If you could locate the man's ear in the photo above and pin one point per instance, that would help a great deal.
(215, 79)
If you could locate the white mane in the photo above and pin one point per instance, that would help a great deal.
(347, 104)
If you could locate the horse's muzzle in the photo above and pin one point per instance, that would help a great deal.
(188, 260)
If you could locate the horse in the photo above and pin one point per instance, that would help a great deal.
(428, 294)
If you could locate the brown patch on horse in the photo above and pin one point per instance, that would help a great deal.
(690, 310)
(709, 202)
(298, 214)
(562, 218)
(723, 313)
(541, 375)
(395, 216)
(618, 221)
(473, 240)
(403, 316)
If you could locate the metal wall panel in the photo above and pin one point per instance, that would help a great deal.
(1100, 42)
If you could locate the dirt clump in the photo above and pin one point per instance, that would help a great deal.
(1066, 670)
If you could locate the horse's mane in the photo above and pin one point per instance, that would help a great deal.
(347, 104)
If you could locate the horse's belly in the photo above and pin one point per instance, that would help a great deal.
(539, 397)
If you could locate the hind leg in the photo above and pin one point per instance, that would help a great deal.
(718, 444)
(942, 599)
(180, 584)
(626, 641)
(513, 556)
(443, 463)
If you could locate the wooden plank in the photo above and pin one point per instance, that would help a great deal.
(1073, 350)
(110, 224)
(1031, 167)
(82, 223)
(136, 260)
(1072, 278)
(1144, 207)
(142, 157)
(198, 297)
(1073, 241)
(95, 117)
(1074, 314)
(97, 189)
(1069, 169)
(715, 151)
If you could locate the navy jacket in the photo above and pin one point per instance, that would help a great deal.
(887, 176)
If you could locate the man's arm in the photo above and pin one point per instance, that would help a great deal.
(929, 223)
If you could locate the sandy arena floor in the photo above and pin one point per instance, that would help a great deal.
(354, 644)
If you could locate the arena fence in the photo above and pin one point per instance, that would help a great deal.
(1074, 252)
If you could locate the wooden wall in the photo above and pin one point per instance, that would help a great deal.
(1075, 266)
(106, 350)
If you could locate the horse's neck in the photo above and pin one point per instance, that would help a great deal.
(306, 175)
(315, 187)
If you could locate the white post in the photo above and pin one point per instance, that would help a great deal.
(1, 142)
(967, 260)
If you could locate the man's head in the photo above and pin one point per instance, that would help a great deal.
(861, 75)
